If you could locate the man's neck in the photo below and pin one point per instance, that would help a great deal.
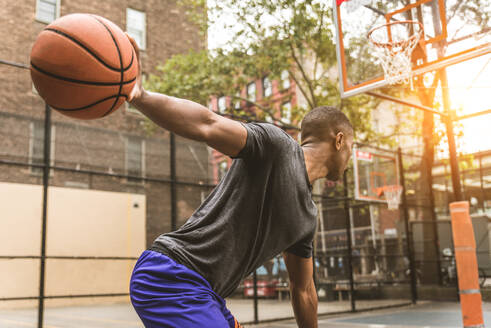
(314, 162)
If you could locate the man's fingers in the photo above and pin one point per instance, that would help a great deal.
(134, 44)
(137, 89)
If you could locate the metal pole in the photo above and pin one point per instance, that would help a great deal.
(452, 149)
(256, 315)
(481, 178)
(46, 169)
(349, 242)
(409, 245)
(405, 103)
(173, 185)
(436, 240)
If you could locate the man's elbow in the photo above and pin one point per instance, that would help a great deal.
(205, 127)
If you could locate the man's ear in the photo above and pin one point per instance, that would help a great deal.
(339, 140)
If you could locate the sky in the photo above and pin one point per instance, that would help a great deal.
(470, 90)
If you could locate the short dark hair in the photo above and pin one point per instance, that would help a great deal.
(324, 122)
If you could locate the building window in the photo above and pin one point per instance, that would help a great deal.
(36, 147)
(285, 80)
(237, 101)
(267, 87)
(251, 91)
(268, 118)
(222, 104)
(47, 10)
(135, 158)
(136, 26)
(222, 169)
(286, 112)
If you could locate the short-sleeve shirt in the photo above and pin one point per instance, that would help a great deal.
(262, 207)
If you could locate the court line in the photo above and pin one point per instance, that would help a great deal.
(25, 324)
(365, 325)
(66, 316)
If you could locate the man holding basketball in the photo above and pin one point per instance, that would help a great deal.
(262, 207)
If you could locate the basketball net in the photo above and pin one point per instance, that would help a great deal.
(392, 195)
(394, 43)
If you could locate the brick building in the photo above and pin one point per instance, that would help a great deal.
(99, 154)
(279, 95)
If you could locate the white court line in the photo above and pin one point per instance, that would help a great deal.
(66, 316)
(365, 325)
(25, 324)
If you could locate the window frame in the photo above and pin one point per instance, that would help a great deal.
(142, 160)
(221, 110)
(237, 102)
(283, 107)
(142, 46)
(37, 171)
(57, 12)
(270, 87)
(249, 95)
(284, 80)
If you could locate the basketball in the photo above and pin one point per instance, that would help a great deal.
(83, 66)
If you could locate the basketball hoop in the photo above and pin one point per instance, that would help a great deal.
(392, 195)
(394, 42)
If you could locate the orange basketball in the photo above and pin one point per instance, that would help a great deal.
(84, 66)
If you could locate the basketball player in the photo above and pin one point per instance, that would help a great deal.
(262, 207)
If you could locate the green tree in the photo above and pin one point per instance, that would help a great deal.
(268, 38)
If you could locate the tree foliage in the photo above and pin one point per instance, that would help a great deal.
(268, 37)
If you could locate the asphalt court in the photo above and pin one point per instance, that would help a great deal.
(422, 315)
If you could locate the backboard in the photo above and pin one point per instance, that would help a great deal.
(360, 69)
(373, 170)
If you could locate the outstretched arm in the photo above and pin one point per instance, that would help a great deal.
(302, 290)
(189, 119)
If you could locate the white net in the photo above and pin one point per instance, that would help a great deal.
(394, 43)
(393, 196)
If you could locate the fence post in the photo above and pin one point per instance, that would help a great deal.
(256, 315)
(409, 244)
(46, 169)
(349, 242)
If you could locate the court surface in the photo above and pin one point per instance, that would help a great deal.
(423, 315)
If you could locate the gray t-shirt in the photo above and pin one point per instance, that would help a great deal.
(262, 207)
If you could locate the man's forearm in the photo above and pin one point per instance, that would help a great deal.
(304, 304)
(184, 117)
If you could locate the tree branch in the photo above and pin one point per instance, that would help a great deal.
(264, 109)
(304, 75)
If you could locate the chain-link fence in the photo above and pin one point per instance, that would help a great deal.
(81, 200)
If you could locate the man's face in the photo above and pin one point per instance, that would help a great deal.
(339, 162)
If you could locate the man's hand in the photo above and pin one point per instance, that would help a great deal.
(302, 289)
(137, 91)
(187, 118)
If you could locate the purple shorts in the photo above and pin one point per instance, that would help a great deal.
(168, 294)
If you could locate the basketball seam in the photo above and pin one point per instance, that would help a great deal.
(120, 63)
(90, 105)
(80, 81)
(83, 46)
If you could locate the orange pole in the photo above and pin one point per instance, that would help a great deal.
(465, 257)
